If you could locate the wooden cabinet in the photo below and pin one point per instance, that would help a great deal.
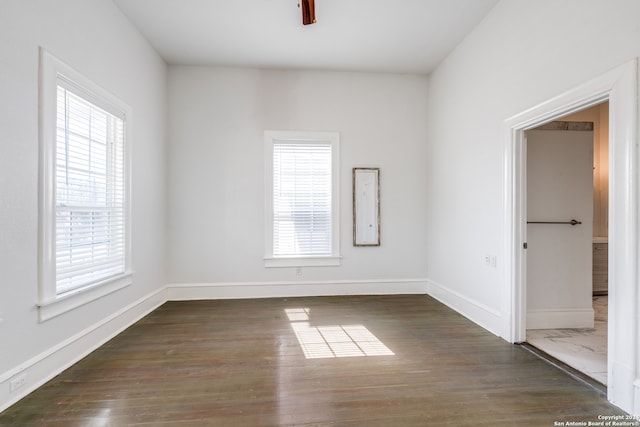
(600, 268)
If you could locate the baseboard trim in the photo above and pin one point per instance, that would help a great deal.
(482, 315)
(241, 290)
(51, 362)
(560, 318)
(569, 370)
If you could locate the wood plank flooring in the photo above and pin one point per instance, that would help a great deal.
(239, 363)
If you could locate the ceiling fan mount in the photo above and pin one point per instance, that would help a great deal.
(308, 11)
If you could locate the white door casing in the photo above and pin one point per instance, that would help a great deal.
(620, 87)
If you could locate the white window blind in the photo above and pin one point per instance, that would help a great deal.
(302, 198)
(90, 228)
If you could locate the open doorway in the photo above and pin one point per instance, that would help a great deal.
(620, 87)
(567, 233)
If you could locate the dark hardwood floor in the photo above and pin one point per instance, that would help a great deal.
(240, 363)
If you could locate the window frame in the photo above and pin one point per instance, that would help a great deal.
(50, 304)
(334, 259)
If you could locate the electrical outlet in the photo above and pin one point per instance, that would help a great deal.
(17, 382)
(487, 260)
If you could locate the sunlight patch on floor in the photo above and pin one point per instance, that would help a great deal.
(319, 342)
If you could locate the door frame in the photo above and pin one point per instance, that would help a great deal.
(620, 87)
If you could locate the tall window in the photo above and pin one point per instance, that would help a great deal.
(83, 189)
(89, 191)
(302, 190)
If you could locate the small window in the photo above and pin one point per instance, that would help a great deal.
(302, 198)
(84, 204)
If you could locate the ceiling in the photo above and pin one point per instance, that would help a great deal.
(400, 36)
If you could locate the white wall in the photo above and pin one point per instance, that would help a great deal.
(93, 37)
(216, 185)
(559, 257)
(522, 54)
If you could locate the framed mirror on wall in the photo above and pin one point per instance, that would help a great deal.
(366, 206)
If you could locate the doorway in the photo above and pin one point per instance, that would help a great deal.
(567, 232)
(620, 87)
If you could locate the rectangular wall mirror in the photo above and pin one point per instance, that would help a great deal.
(366, 207)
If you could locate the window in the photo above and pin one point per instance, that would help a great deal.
(302, 198)
(84, 191)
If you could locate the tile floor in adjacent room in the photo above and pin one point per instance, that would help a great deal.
(583, 349)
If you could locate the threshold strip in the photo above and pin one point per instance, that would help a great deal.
(569, 370)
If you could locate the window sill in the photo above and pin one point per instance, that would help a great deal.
(325, 261)
(79, 297)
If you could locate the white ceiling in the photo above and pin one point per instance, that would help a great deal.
(405, 36)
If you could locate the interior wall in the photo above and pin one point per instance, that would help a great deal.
(216, 155)
(505, 66)
(559, 176)
(599, 116)
(93, 37)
